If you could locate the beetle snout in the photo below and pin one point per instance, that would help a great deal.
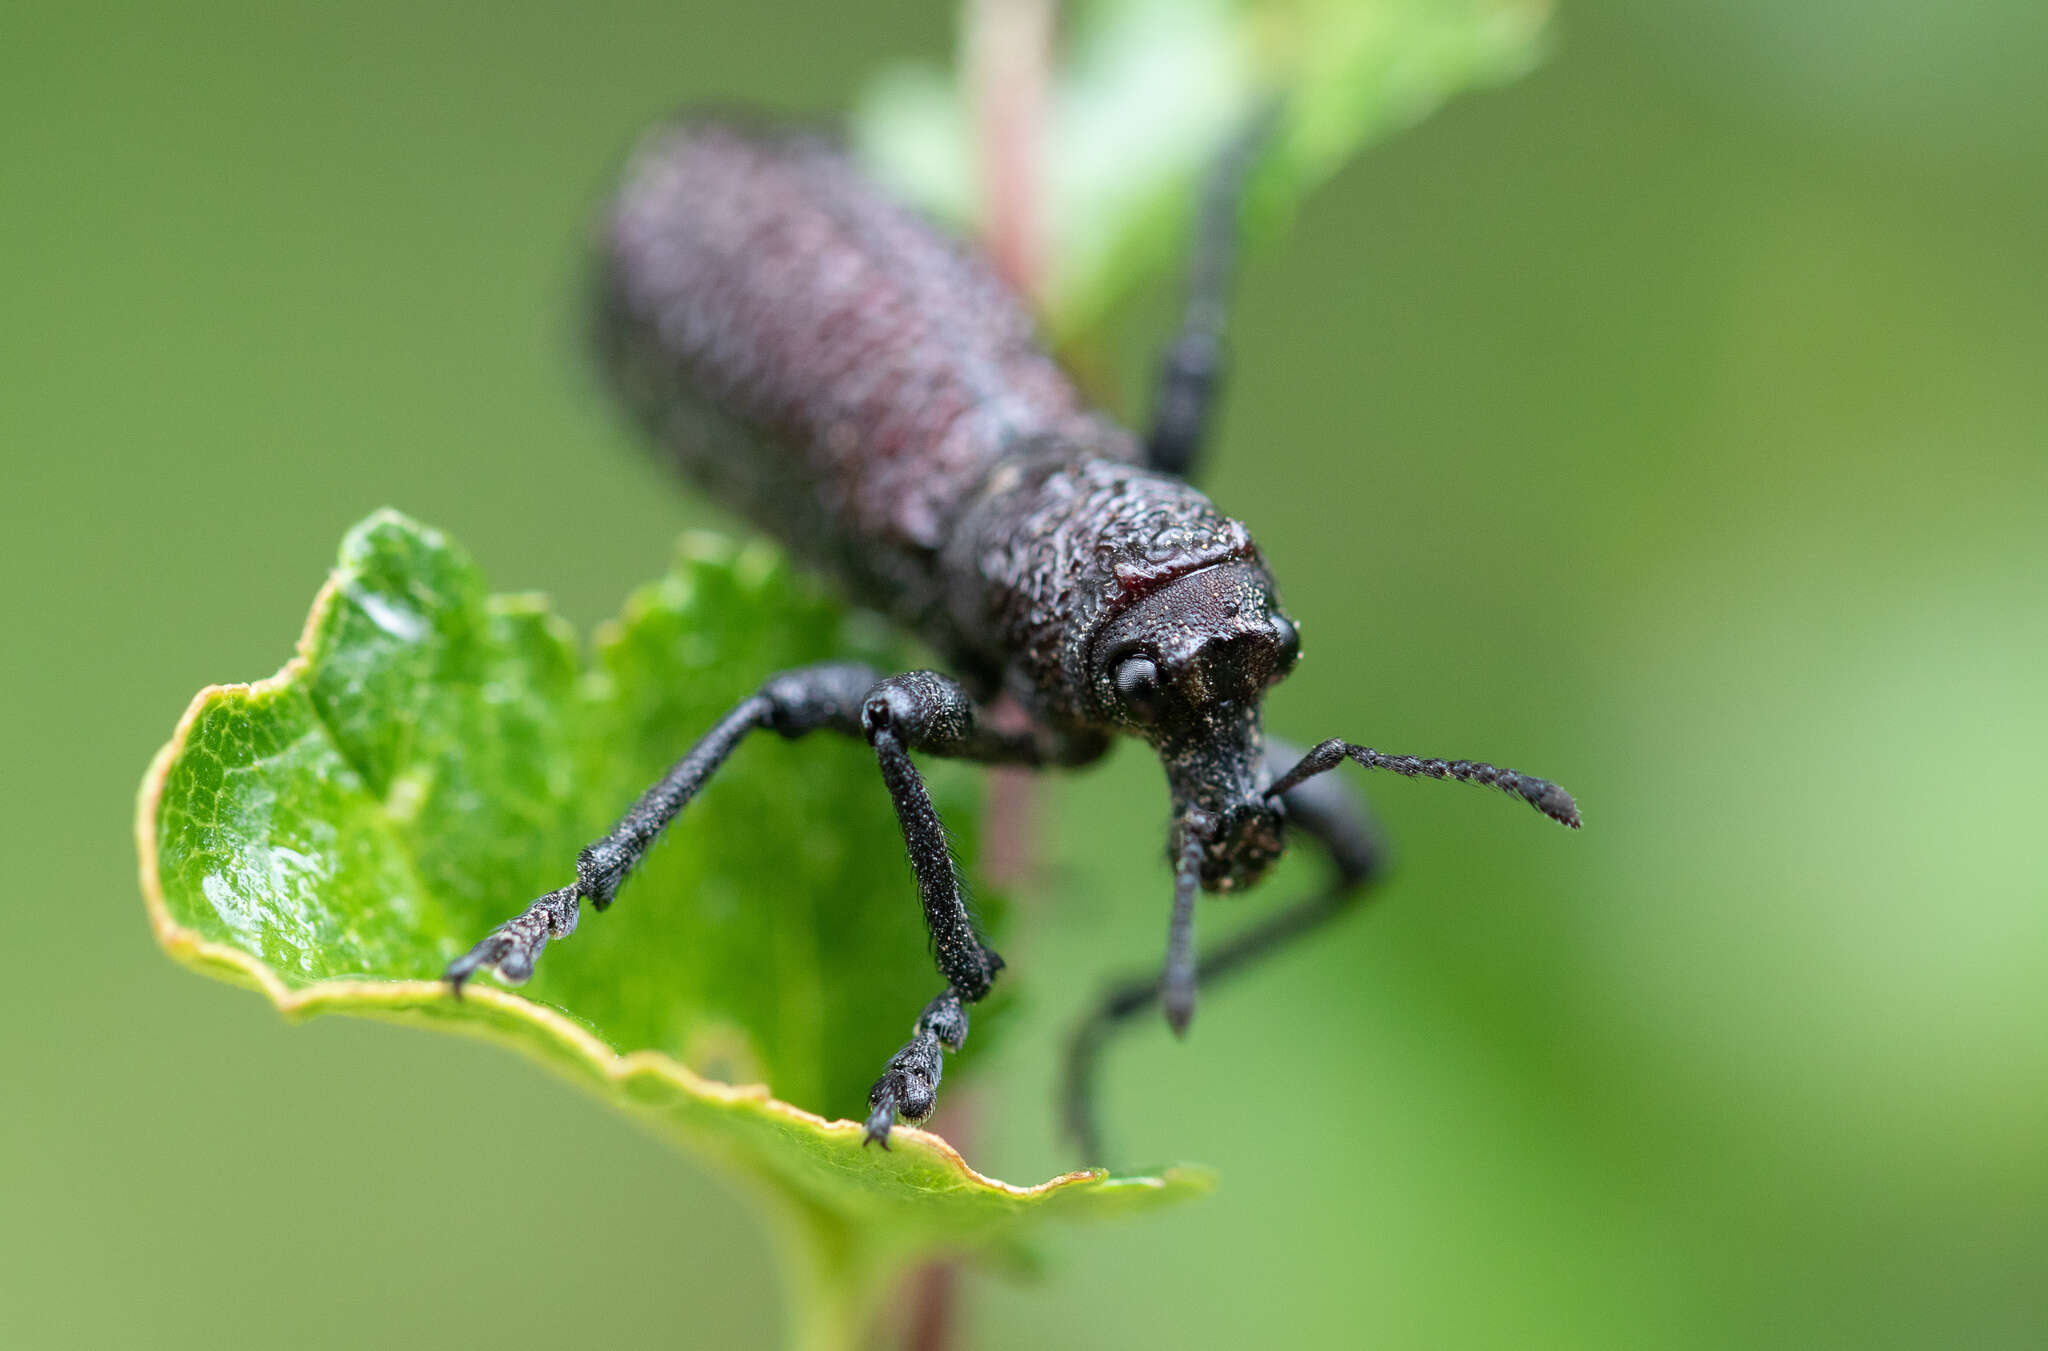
(1244, 843)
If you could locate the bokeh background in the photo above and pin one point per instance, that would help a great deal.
(1671, 422)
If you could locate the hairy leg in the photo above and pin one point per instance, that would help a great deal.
(927, 712)
(1325, 809)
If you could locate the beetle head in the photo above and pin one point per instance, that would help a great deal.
(1186, 668)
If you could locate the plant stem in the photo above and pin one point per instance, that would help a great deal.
(831, 1282)
(935, 1291)
(1007, 50)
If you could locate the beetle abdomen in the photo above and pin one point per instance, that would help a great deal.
(817, 356)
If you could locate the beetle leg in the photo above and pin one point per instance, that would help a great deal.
(1329, 811)
(921, 711)
(793, 703)
(927, 712)
(1192, 369)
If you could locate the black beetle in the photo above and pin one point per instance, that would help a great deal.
(821, 359)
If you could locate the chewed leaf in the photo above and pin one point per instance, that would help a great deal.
(433, 758)
(1146, 93)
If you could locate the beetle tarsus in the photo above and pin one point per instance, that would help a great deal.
(511, 949)
(909, 1086)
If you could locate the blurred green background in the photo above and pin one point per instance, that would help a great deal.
(1671, 422)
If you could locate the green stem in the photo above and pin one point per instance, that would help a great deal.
(832, 1281)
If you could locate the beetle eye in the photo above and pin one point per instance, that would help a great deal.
(1288, 650)
(1137, 685)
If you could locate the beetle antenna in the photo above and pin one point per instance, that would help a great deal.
(1177, 980)
(1545, 796)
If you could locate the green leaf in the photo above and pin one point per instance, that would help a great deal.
(1147, 91)
(433, 758)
